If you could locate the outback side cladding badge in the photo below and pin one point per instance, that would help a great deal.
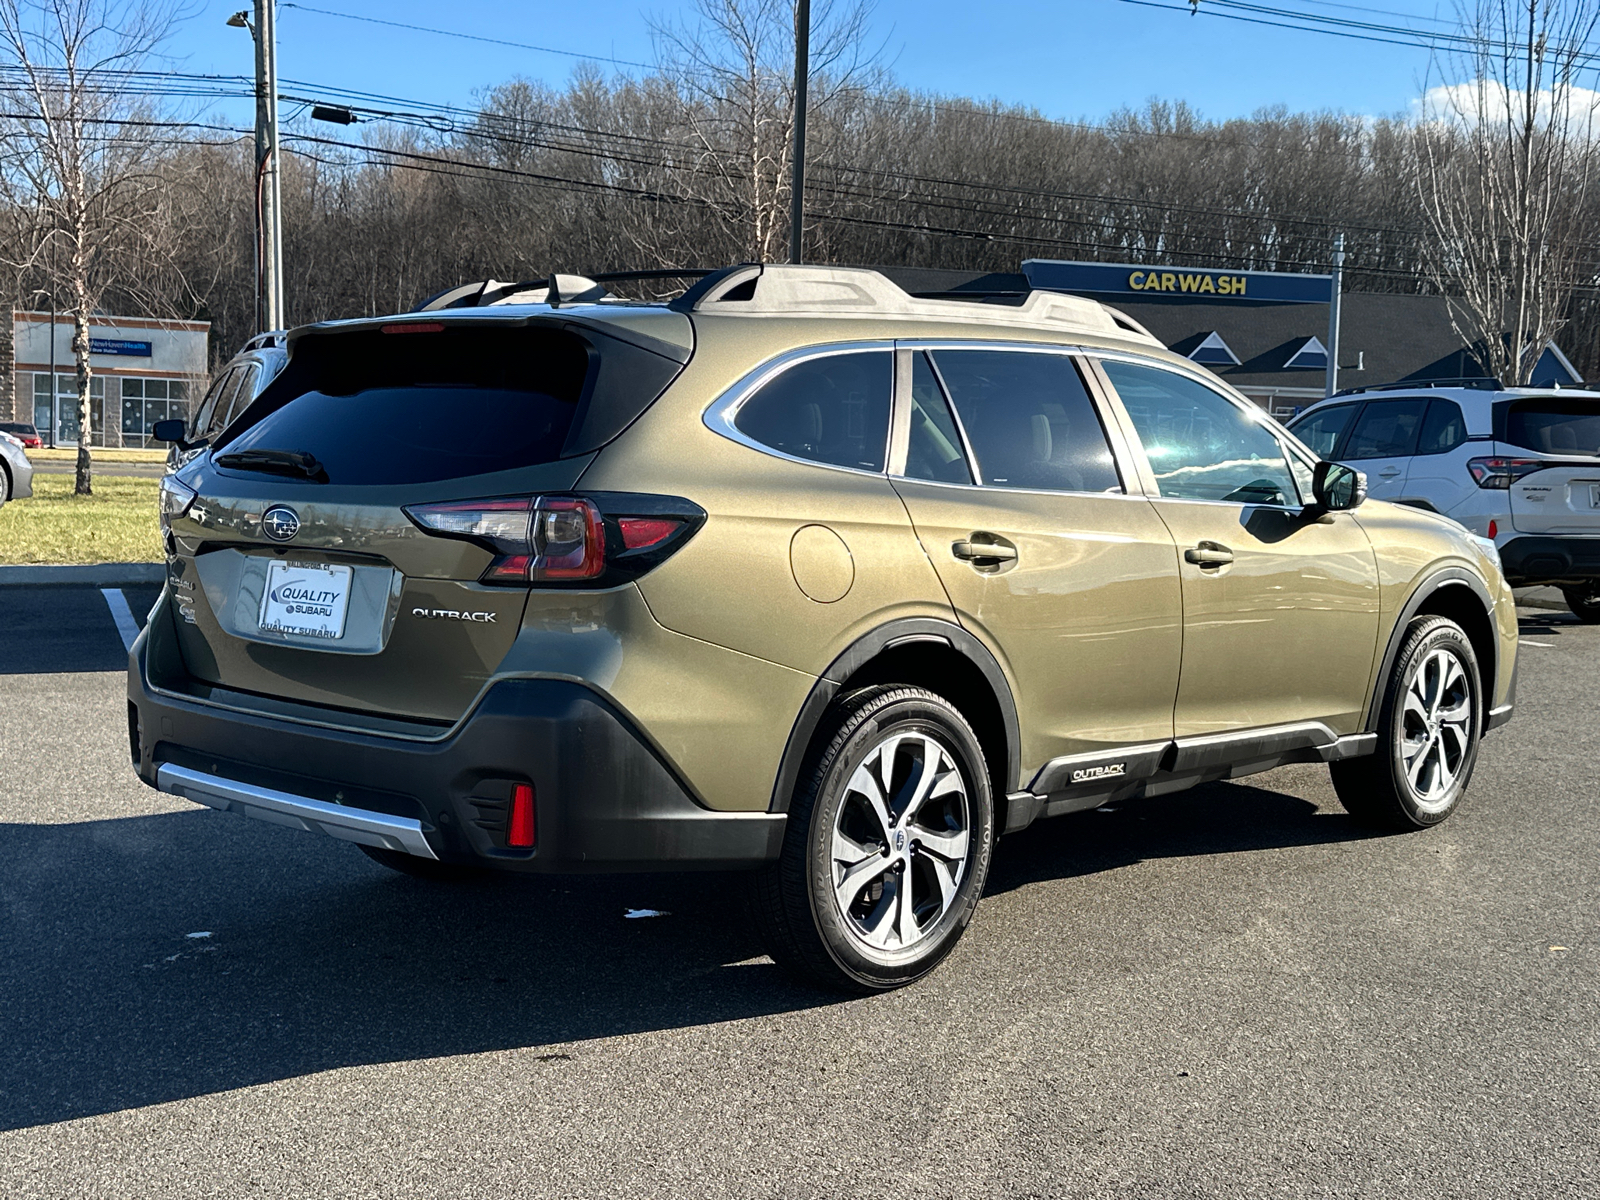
(280, 523)
(479, 617)
(1109, 771)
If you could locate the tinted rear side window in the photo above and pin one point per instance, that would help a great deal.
(1443, 429)
(381, 409)
(1386, 429)
(833, 409)
(1320, 430)
(1029, 420)
(1555, 426)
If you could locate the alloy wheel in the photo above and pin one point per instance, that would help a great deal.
(1435, 730)
(901, 841)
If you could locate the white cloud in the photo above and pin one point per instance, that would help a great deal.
(1485, 100)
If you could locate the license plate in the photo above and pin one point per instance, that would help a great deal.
(307, 599)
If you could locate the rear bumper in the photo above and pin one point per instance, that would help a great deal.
(604, 800)
(1534, 559)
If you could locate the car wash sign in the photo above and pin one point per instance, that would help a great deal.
(1155, 281)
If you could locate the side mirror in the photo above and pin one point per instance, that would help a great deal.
(1338, 488)
(170, 431)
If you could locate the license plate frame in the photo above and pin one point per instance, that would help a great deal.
(1594, 495)
(305, 599)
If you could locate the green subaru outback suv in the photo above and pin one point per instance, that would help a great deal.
(796, 574)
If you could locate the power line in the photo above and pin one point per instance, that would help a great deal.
(471, 37)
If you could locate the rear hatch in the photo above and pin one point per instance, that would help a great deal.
(302, 570)
(1557, 487)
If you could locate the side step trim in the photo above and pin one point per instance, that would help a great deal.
(403, 834)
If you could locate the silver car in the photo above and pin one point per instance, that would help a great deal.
(16, 472)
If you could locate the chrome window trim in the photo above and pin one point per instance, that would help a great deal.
(916, 345)
(721, 413)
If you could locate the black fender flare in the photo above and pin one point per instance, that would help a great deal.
(862, 651)
(1446, 577)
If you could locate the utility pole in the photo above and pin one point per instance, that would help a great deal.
(269, 193)
(802, 71)
(1334, 290)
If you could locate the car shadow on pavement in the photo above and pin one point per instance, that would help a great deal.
(156, 958)
(1215, 818)
(316, 958)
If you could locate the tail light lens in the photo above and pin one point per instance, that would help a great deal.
(520, 829)
(559, 539)
(1501, 473)
(175, 499)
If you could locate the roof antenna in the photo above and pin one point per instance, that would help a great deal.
(554, 297)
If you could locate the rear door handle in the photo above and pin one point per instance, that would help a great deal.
(1209, 554)
(984, 551)
(1389, 472)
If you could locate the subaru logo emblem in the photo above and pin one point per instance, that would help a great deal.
(280, 523)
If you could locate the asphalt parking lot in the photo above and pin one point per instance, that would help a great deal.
(1230, 992)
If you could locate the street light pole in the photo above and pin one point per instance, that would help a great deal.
(268, 161)
(269, 193)
(802, 70)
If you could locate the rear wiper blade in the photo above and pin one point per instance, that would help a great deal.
(275, 462)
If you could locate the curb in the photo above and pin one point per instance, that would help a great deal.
(83, 575)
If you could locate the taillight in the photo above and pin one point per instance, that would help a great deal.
(563, 539)
(1501, 473)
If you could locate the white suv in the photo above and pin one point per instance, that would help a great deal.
(1516, 465)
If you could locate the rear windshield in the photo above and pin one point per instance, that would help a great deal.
(378, 408)
(1555, 426)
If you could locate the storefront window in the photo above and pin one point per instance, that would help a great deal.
(67, 405)
(146, 401)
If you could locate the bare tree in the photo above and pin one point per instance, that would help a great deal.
(1505, 159)
(80, 157)
(732, 69)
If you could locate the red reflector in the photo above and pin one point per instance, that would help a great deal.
(1493, 529)
(520, 830)
(416, 327)
(639, 532)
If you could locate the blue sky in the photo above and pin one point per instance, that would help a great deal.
(1071, 59)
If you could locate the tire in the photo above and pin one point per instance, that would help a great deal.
(867, 815)
(419, 868)
(1428, 734)
(1584, 601)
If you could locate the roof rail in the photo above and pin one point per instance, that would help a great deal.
(1480, 383)
(554, 291)
(775, 289)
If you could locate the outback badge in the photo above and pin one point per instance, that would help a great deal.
(280, 522)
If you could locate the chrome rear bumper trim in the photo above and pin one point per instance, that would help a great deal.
(403, 834)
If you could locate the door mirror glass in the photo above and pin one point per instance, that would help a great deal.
(1338, 488)
(170, 430)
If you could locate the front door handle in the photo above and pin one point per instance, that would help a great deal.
(1389, 472)
(1209, 554)
(984, 551)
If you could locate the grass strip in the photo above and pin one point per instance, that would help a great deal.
(116, 524)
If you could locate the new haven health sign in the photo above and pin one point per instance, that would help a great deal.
(1188, 283)
(119, 347)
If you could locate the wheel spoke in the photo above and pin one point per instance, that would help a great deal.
(950, 846)
(907, 919)
(927, 776)
(1415, 705)
(1415, 764)
(856, 876)
(864, 784)
(945, 874)
(879, 924)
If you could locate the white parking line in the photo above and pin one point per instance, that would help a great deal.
(122, 615)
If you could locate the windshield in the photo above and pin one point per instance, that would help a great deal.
(1555, 425)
